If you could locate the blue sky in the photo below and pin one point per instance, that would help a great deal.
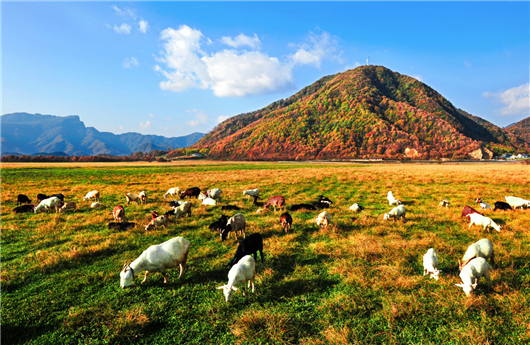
(173, 68)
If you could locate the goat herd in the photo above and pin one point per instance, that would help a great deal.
(174, 252)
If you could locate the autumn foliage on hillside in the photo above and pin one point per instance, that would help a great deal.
(365, 112)
(521, 129)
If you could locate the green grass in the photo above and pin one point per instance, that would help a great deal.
(360, 281)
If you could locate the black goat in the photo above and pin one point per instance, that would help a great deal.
(297, 207)
(501, 205)
(41, 197)
(320, 205)
(59, 195)
(24, 209)
(219, 225)
(323, 199)
(248, 246)
(23, 199)
(194, 191)
(230, 208)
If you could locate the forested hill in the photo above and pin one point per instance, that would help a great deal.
(521, 129)
(365, 112)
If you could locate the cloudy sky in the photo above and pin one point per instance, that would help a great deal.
(173, 68)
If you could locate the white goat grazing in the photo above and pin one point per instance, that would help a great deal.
(172, 191)
(235, 224)
(184, 208)
(158, 221)
(470, 274)
(68, 206)
(483, 205)
(391, 199)
(202, 196)
(92, 195)
(396, 213)
(209, 201)
(240, 273)
(143, 197)
(214, 193)
(96, 204)
(481, 249)
(323, 219)
(430, 264)
(158, 257)
(515, 202)
(47, 204)
(478, 219)
(444, 203)
(251, 192)
(356, 208)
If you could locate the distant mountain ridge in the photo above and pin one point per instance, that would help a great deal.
(521, 129)
(365, 112)
(35, 133)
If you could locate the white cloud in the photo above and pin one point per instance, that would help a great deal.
(124, 12)
(221, 118)
(316, 49)
(201, 118)
(143, 25)
(146, 125)
(151, 115)
(130, 62)
(242, 40)
(231, 72)
(123, 29)
(516, 100)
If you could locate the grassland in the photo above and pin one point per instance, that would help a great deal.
(358, 282)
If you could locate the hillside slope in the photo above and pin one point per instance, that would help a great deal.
(521, 129)
(359, 113)
(35, 133)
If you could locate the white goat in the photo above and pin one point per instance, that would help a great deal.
(235, 224)
(172, 191)
(483, 205)
(251, 192)
(184, 208)
(202, 196)
(158, 257)
(214, 193)
(158, 221)
(47, 204)
(470, 274)
(92, 195)
(68, 206)
(396, 213)
(240, 273)
(96, 204)
(323, 219)
(481, 249)
(356, 208)
(209, 201)
(391, 199)
(478, 219)
(515, 202)
(143, 197)
(430, 264)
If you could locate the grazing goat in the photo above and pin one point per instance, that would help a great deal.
(194, 191)
(219, 225)
(172, 191)
(251, 192)
(23, 199)
(515, 202)
(235, 224)
(41, 197)
(158, 221)
(320, 205)
(286, 221)
(240, 273)
(68, 206)
(132, 197)
(118, 213)
(469, 210)
(501, 205)
(202, 196)
(248, 246)
(356, 208)
(471, 273)
(47, 204)
(214, 193)
(121, 225)
(209, 201)
(158, 257)
(230, 208)
(92, 195)
(486, 222)
(184, 208)
(60, 196)
(430, 264)
(481, 249)
(276, 201)
(297, 207)
(391, 199)
(175, 203)
(483, 205)
(143, 197)
(24, 209)
(444, 203)
(323, 219)
(325, 200)
(396, 213)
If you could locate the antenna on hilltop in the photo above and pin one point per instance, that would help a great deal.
(368, 60)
